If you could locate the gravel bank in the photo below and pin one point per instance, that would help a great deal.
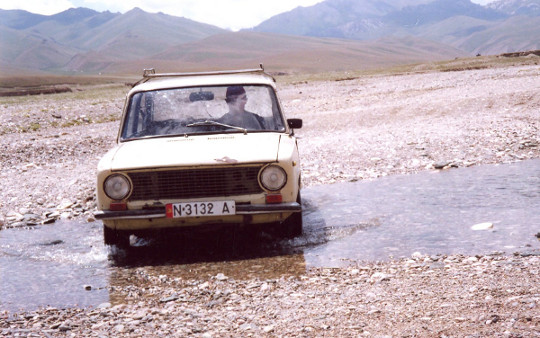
(355, 129)
(422, 296)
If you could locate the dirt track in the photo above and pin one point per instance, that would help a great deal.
(356, 129)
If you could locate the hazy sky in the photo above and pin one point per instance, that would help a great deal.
(229, 14)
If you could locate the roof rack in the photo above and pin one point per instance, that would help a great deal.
(150, 73)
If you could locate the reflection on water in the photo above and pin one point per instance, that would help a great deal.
(66, 264)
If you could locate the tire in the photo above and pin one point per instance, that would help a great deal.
(292, 227)
(115, 237)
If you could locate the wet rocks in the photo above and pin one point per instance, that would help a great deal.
(49, 214)
(14, 217)
(441, 165)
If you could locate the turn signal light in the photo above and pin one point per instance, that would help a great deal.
(274, 198)
(118, 206)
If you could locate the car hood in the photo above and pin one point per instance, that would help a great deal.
(196, 150)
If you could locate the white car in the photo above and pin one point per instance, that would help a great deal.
(201, 149)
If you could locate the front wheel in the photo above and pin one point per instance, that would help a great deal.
(115, 237)
(292, 226)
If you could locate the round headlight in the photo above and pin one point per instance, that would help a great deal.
(117, 187)
(273, 177)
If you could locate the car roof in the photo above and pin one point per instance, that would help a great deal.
(219, 78)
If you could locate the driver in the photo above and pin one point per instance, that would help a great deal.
(236, 99)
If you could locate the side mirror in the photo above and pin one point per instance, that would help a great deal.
(294, 123)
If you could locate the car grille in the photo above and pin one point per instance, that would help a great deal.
(195, 183)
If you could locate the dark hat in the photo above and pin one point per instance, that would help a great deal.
(234, 91)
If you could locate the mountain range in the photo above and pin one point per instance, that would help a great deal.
(331, 35)
(502, 26)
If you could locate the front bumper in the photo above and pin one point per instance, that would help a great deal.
(241, 209)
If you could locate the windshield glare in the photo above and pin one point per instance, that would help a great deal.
(186, 111)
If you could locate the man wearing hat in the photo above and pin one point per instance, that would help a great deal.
(236, 99)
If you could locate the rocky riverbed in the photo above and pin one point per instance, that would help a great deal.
(437, 296)
(355, 129)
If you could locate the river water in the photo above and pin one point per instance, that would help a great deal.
(66, 264)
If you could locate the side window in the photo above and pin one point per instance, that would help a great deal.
(139, 116)
(276, 120)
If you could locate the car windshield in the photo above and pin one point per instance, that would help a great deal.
(187, 111)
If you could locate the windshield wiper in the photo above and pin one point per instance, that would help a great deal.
(215, 123)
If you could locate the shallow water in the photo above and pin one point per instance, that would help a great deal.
(51, 264)
(431, 213)
(66, 264)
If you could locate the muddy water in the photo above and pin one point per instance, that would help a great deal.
(66, 264)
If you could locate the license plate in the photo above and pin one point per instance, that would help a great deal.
(198, 209)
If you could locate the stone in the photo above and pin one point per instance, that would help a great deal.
(380, 277)
(416, 255)
(52, 242)
(64, 327)
(221, 277)
(482, 226)
(169, 299)
(471, 260)
(52, 214)
(139, 315)
(49, 221)
(65, 204)
(248, 327)
(253, 285)
(441, 165)
(268, 329)
(120, 328)
(14, 216)
(30, 217)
